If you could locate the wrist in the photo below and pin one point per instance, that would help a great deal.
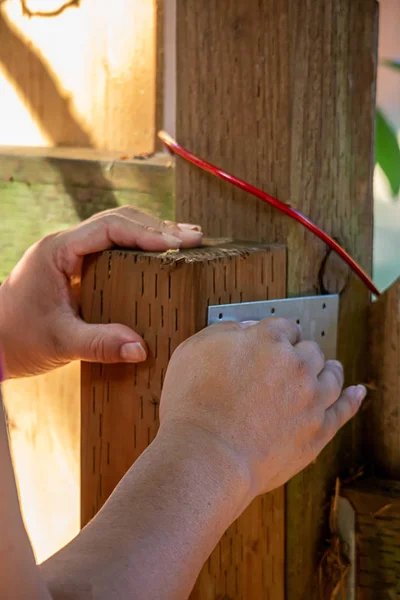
(214, 463)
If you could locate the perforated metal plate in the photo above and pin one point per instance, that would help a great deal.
(317, 316)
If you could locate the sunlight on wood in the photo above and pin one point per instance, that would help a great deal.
(85, 77)
(44, 417)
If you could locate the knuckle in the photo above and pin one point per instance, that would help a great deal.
(48, 245)
(337, 368)
(315, 446)
(57, 344)
(278, 322)
(336, 383)
(217, 328)
(128, 208)
(332, 385)
(112, 219)
(306, 382)
(97, 348)
(274, 335)
(316, 421)
(162, 225)
(316, 349)
(332, 423)
(190, 345)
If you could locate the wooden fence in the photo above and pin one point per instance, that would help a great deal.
(280, 93)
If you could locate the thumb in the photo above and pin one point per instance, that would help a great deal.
(112, 343)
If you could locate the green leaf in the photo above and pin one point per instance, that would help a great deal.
(393, 64)
(387, 151)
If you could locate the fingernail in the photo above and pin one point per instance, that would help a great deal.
(189, 226)
(337, 363)
(172, 241)
(245, 324)
(191, 236)
(133, 352)
(359, 393)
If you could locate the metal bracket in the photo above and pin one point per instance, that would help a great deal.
(317, 316)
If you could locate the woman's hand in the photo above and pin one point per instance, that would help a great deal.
(39, 324)
(260, 393)
(242, 410)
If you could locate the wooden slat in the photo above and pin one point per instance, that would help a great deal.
(383, 419)
(82, 166)
(282, 93)
(165, 299)
(377, 506)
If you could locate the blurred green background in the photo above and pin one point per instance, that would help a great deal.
(387, 149)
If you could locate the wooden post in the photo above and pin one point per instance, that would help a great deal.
(377, 502)
(377, 520)
(282, 93)
(383, 419)
(165, 298)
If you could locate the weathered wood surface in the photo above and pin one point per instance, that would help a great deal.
(45, 190)
(282, 94)
(382, 438)
(84, 75)
(377, 506)
(165, 299)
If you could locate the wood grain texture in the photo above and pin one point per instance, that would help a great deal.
(165, 299)
(383, 417)
(377, 506)
(84, 77)
(282, 94)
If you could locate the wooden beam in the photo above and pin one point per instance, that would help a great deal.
(165, 298)
(382, 420)
(99, 91)
(377, 506)
(282, 94)
(43, 190)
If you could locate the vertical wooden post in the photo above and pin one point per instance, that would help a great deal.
(282, 93)
(383, 418)
(165, 298)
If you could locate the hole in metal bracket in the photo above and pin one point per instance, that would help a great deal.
(317, 316)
